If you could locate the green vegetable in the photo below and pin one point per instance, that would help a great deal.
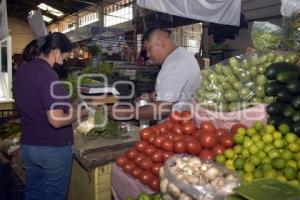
(268, 189)
(276, 108)
(296, 102)
(286, 76)
(275, 119)
(144, 196)
(293, 86)
(273, 88)
(291, 35)
(285, 96)
(289, 111)
(266, 40)
(274, 69)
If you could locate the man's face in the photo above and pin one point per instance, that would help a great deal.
(154, 50)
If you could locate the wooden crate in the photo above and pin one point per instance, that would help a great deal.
(93, 185)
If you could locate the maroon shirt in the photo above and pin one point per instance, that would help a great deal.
(32, 85)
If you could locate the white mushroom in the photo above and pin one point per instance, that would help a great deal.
(173, 190)
(161, 172)
(184, 197)
(163, 185)
(195, 162)
(212, 173)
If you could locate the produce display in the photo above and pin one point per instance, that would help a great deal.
(266, 36)
(189, 177)
(177, 135)
(264, 152)
(285, 88)
(291, 35)
(239, 82)
(145, 196)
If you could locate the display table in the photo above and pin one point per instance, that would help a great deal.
(124, 185)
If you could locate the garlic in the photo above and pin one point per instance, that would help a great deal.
(195, 162)
(181, 164)
(204, 167)
(212, 173)
(163, 185)
(192, 179)
(173, 190)
(184, 197)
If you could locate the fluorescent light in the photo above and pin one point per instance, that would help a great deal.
(47, 19)
(50, 9)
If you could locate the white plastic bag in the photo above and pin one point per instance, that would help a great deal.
(289, 7)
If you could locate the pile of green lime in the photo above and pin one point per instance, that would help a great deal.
(261, 151)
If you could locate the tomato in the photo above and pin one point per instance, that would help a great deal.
(136, 172)
(162, 128)
(188, 138)
(166, 155)
(121, 160)
(208, 139)
(151, 139)
(218, 149)
(221, 131)
(154, 184)
(146, 133)
(167, 145)
(175, 117)
(197, 132)
(158, 140)
(179, 146)
(206, 154)
(146, 164)
(177, 129)
(189, 128)
(150, 149)
(170, 135)
(186, 117)
(168, 124)
(226, 141)
(131, 153)
(193, 147)
(207, 126)
(155, 168)
(156, 157)
(129, 167)
(138, 159)
(177, 137)
(141, 146)
(155, 130)
(145, 177)
(235, 127)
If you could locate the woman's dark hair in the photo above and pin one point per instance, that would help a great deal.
(46, 44)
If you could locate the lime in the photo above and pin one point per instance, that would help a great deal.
(220, 159)
(255, 160)
(279, 143)
(241, 173)
(249, 167)
(229, 153)
(278, 163)
(238, 138)
(258, 125)
(266, 166)
(284, 128)
(269, 128)
(248, 177)
(229, 165)
(260, 144)
(294, 147)
(297, 156)
(291, 138)
(267, 138)
(262, 154)
(256, 138)
(241, 131)
(245, 153)
(238, 149)
(258, 173)
(298, 140)
(286, 155)
(239, 163)
(281, 178)
(270, 173)
(251, 132)
(247, 143)
(268, 148)
(274, 153)
(293, 164)
(253, 149)
(294, 183)
(290, 173)
(277, 135)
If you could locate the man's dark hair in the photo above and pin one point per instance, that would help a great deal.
(151, 30)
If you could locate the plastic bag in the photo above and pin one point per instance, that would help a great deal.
(189, 177)
(290, 10)
(266, 36)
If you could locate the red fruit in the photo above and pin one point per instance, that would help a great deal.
(177, 129)
(222, 131)
(129, 167)
(138, 159)
(155, 168)
(150, 149)
(218, 149)
(122, 160)
(167, 145)
(193, 147)
(179, 146)
(146, 133)
(207, 126)
(226, 141)
(235, 127)
(145, 177)
(154, 184)
(136, 172)
(189, 128)
(158, 140)
(141, 146)
(166, 155)
(208, 139)
(206, 154)
(162, 128)
(131, 153)
(146, 164)
(168, 124)
(156, 157)
(175, 117)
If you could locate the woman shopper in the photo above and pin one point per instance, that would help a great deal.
(47, 135)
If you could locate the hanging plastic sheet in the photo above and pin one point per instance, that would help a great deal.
(216, 11)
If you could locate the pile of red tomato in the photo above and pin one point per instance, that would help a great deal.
(178, 134)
